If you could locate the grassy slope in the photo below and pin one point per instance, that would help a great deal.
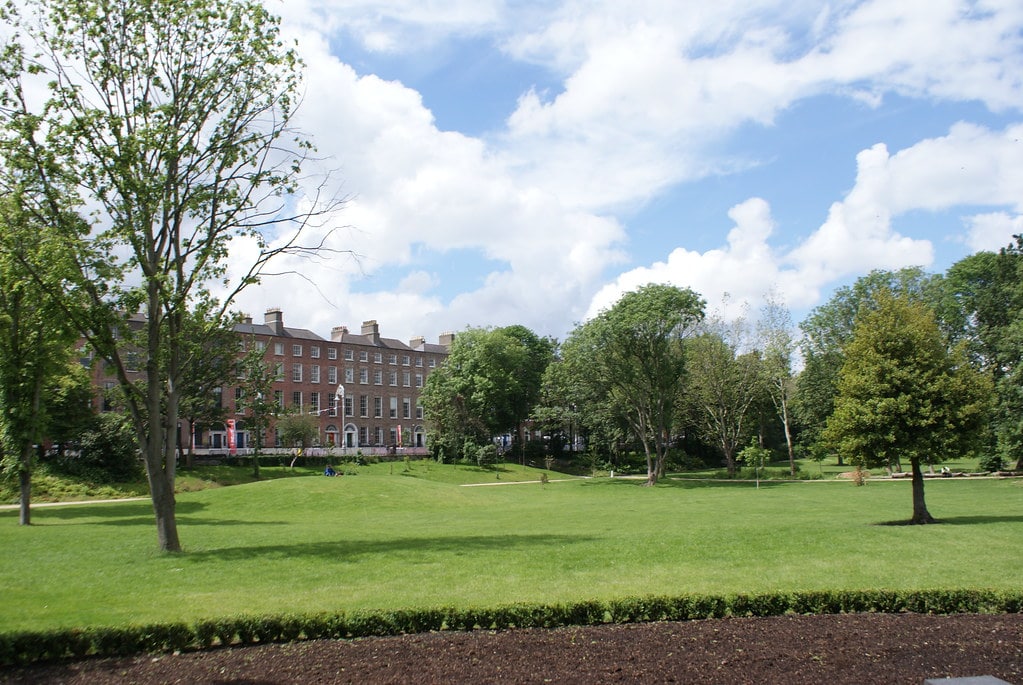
(389, 538)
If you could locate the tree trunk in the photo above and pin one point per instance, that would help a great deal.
(163, 508)
(788, 437)
(25, 501)
(920, 513)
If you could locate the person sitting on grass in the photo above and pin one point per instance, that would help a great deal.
(329, 471)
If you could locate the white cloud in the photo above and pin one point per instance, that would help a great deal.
(993, 231)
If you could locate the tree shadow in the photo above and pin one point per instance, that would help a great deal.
(350, 550)
(957, 521)
(686, 483)
(129, 514)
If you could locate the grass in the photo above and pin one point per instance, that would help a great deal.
(400, 536)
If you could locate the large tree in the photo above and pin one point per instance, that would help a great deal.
(902, 394)
(632, 358)
(487, 386)
(35, 344)
(986, 290)
(164, 135)
(829, 328)
(726, 382)
(778, 344)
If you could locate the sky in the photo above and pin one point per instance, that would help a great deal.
(527, 162)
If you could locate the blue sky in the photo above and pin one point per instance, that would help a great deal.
(527, 162)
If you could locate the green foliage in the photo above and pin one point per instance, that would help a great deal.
(107, 452)
(625, 366)
(23, 648)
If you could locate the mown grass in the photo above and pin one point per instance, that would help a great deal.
(401, 535)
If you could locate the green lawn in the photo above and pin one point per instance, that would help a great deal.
(396, 536)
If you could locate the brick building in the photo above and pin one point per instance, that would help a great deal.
(364, 388)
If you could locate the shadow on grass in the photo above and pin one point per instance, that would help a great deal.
(957, 521)
(129, 514)
(351, 550)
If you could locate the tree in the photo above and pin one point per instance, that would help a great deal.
(903, 395)
(726, 380)
(35, 344)
(169, 123)
(488, 386)
(210, 356)
(257, 381)
(986, 289)
(631, 358)
(829, 328)
(778, 344)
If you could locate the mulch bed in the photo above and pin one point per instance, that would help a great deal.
(850, 648)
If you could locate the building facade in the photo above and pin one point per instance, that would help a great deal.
(362, 388)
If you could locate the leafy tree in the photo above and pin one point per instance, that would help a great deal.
(487, 386)
(297, 430)
(35, 344)
(209, 359)
(169, 121)
(986, 289)
(107, 451)
(904, 395)
(630, 359)
(778, 345)
(829, 328)
(726, 382)
(257, 380)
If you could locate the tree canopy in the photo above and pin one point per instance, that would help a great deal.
(903, 395)
(162, 137)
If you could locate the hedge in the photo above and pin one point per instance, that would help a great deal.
(26, 647)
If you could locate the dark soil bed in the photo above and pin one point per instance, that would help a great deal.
(855, 648)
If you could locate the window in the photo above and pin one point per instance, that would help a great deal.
(279, 371)
(419, 380)
(296, 400)
(239, 407)
(363, 406)
(378, 358)
(218, 397)
(419, 362)
(349, 406)
(260, 345)
(433, 363)
(278, 348)
(419, 411)
(331, 405)
(279, 398)
(296, 372)
(378, 407)
(363, 435)
(349, 355)
(331, 353)
(332, 375)
(314, 402)
(364, 376)
(349, 375)
(394, 408)
(393, 378)
(296, 350)
(406, 379)
(392, 359)
(363, 356)
(405, 360)
(378, 377)
(394, 436)
(406, 408)
(314, 351)
(314, 373)
(108, 389)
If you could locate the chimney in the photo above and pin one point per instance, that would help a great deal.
(247, 320)
(338, 333)
(417, 343)
(446, 339)
(371, 329)
(274, 318)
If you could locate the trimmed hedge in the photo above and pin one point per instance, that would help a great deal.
(26, 647)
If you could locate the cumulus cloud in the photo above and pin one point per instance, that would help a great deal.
(649, 95)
